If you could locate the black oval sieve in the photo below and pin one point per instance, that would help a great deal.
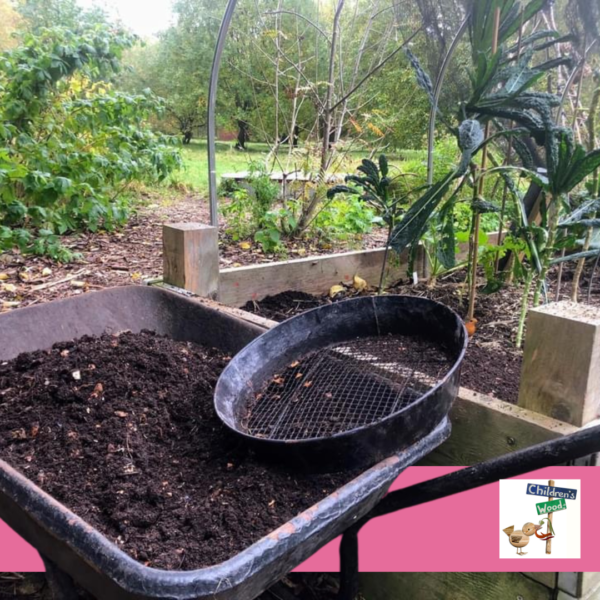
(346, 384)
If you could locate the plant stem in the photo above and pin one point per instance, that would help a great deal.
(385, 255)
(589, 296)
(507, 161)
(580, 265)
(475, 225)
(548, 251)
(524, 307)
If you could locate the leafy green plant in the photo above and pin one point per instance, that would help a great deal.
(503, 79)
(342, 218)
(250, 204)
(373, 187)
(69, 144)
(236, 211)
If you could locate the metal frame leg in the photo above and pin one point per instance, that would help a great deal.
(349, 565)
(61, 586)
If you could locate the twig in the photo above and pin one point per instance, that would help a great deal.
(50, 284)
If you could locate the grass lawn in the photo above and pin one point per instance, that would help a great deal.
(229, 160)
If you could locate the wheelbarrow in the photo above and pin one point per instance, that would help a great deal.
(73, 551)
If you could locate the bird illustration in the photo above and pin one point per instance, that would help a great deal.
(520, 539)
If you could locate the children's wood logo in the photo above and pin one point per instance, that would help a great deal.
(557, 500)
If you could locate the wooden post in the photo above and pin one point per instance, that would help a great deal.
(561, 366)
(551, 483)
(191, 257)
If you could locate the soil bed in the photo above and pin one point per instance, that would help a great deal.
(122, 430)
(492, 364)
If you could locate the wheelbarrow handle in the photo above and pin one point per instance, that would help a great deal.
(547, 454)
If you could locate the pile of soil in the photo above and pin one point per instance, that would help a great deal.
(122, 430)
(492, 364)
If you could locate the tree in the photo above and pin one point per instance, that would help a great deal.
(10, 20)
(40, 14)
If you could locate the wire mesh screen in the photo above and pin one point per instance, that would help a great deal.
(345, 386)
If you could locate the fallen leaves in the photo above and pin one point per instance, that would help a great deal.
(18, 434)
(335, 290)
(471, 327)
(3, 276)
(359, 284)
(9, 287)
(245, 245)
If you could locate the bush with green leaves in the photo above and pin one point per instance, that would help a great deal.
(344, 218)
(250, 202)
(70, 145)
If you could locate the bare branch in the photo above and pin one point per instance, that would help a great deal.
(299, 16)
(376, 68)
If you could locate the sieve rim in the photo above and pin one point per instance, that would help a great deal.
(348, 432)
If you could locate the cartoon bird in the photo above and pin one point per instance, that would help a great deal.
(520, 539)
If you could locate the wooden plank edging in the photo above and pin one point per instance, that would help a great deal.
(313, 275)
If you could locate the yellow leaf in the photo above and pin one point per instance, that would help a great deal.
(245, 245)
(3, 276)
(46, 272)
(78, 284)
(135, 276)
(335, 290)
(301, 251)
(10, 304)
(24, 276)
(359, 284)
(9, 287)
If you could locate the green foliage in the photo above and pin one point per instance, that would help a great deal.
(253, 211)
(373, 186)
(343, 218)
(69, 144)
(251, 202)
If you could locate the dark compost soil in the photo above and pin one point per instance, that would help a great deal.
(121, 429)
(492, 364)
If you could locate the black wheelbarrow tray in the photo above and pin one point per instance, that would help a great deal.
(74, 547)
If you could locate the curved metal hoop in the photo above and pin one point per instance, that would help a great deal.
(212, 101)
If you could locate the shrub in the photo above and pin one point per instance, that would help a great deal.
(69, 144)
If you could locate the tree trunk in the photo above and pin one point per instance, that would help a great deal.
(243, 134)
(330, 82)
